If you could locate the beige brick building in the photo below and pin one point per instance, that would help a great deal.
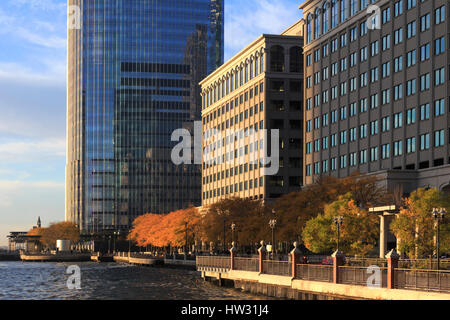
(377, 100)
(259, 88)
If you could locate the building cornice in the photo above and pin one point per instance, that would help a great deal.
(236, 59)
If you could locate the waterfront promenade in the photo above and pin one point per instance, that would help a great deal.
(293, 280)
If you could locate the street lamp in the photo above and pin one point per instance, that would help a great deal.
(233, 227)
(272, 225)
(438, 215)
(338, 221)
(186, 245)
(224, 214)
(116, 234)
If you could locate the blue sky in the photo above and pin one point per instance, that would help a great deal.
(33, 98)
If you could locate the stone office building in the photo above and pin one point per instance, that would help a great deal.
(259, 88)
(377, 91)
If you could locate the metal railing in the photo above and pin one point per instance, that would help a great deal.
(216, 262)
(366, 262)
(322, 273)
(362, 276)
(426, 264)
(246, 264)
(422, 280)
(279, 268)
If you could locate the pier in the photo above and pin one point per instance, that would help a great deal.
(152, 260)
(58, 257)
(293, 280)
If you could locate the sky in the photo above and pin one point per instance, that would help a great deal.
(33, 98)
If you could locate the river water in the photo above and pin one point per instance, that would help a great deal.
(108, 281)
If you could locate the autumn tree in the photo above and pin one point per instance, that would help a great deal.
(56, 231)
(250, 217)
(295, 209)
(358, 233)
(415, 226)
(162, 230)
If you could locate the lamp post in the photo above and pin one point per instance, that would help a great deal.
(186, 244)
(438, 215)
(338, 221)
(233, 227)
(272, 225)
(116, 234)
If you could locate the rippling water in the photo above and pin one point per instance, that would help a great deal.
(108, 281)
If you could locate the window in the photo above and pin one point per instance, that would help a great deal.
(439, 107)
(439, 15)
(425, 111)
(398, 148)
(411, 145)
(277, 59)
(439, 138)
(439, 46)
(439, 76)
(411, 116)
(425, 82)
(411, 29)
(425, 52)
(425, 22)
(425, 141)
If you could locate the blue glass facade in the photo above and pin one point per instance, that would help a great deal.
(133, 73)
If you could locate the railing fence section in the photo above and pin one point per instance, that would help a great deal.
(314, 272)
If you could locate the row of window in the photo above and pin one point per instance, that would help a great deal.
(344, 113)
(236, 79)
(397, 93)
(234, 120)
(424, 53)
(234, 188)
(332, 141)
(253, 92)
(334, 12)
(375, 153)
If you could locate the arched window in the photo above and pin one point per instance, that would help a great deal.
(246, 72)
(262, 63)
(353, 7)
(228, 85)
(309, 29)
(241, 76)
(232, 81)
(334, 14)
(317, 23)
(277, 59)
(344, 14)
(256, 66)
(296, 59)
(325, 19)
(251, 69)
(223, 87)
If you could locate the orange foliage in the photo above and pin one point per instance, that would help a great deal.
(163, 230)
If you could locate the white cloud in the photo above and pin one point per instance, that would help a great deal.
(54, 75)
(47, 5)
(28, 151)
(247, 20)
(49, 41)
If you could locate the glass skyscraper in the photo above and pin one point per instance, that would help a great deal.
(133, 73)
